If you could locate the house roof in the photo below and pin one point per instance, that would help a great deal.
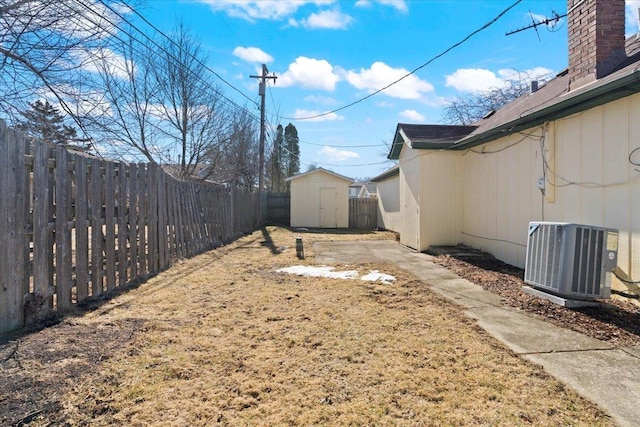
(551, 101)
(427, 136)
(389, 173)
(337, 175)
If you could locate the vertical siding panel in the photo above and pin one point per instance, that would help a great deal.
(591, 162)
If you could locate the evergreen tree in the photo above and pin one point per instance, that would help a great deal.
(43, 121)
(277, 164)
(292, 143)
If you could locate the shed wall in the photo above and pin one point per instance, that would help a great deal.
(320, 200)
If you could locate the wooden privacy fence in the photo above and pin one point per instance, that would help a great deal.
(279, 209)
(74, 226)
(363, 213)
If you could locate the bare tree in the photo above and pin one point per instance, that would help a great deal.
(129, 127)
(234, 158)
(44, 45)
(474, 106)
(192, 113)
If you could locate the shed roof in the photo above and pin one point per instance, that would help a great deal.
(337, 175)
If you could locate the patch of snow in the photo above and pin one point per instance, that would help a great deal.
(329, 272)
(319, 271)
(375, 275)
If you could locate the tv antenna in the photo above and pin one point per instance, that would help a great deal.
(553, 21)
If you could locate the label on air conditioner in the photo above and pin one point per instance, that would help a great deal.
(612, 241)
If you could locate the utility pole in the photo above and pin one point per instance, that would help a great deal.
(261, 91)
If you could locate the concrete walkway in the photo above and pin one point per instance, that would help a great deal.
(609, 377)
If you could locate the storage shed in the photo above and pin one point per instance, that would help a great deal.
(320, 198)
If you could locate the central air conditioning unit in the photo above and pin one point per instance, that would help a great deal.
(571, 260)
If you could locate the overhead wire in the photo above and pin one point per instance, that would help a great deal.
(146, 21)
(415, 70)
(163, 49)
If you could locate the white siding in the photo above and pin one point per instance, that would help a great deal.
(320, 199)
(590, 180)
(389, 203)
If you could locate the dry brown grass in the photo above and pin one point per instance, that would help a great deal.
(225, 339)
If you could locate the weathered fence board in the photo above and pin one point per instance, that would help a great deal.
(95, 198)
(81, 229)
(278, 208)
(62, 230)
(74, 226)
(363, 213)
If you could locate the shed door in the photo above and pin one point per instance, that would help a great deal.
(328, 208)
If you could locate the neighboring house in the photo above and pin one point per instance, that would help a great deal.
(320, 198)
(364, 190)
(388, 187)
(568, 152)
(354, 189)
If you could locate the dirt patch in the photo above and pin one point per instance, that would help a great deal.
(616, 322)
(224, 339)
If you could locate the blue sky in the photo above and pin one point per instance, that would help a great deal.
(328, 54)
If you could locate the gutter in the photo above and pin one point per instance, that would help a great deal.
(619, 88)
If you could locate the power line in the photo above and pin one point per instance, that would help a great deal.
(175, 44)
(485, 26)
(157, 45)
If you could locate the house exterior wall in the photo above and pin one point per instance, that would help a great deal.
(589, 179)
(431, 198)
(501, 194)
(410, 192)
(320, 200)
(442, 199)
(389, 203)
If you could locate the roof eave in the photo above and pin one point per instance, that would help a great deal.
(608, 92)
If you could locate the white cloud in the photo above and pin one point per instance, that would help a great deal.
(252, 54)
(381, 75)
(252, 10)
(310, 73)
(328, 19)
(473, 80)
(336, 155)
(412, 115)
(631, 13)
(401, 5)
(385, 104)
(318, 116)
(98, 60)
(398, 4)
(480, 80)
(321, 100)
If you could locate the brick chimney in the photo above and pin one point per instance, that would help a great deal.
(596, 38)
